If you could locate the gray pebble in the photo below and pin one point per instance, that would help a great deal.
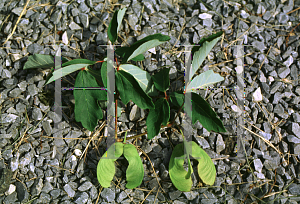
(69, 190)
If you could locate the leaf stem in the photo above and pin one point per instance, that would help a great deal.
(125, 138)
(117, 63)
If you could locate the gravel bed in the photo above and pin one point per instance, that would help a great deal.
(38, 167)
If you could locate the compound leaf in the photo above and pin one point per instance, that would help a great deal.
(106, 166)
(135, 170)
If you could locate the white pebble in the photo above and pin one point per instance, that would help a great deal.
(257, 96)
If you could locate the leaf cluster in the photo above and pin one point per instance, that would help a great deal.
(135, 84)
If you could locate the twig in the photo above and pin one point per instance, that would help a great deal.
(287, 38)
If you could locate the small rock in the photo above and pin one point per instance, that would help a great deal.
(191, 195)
(294, 128)
(85, 186)
(69, 190)
(84, 18)
(37, 114)
(294, 189)
(257, 96)
(283, 72)
(220, 145)
(259, 45)
(174, 195)
(282, 18)
(11, 189)
(289, 61)
(56, 16)
(83, 198)
(293, 139)
(205, 16)
(108, 194)
(278, 109)
(18, 11)
(74, 26)
(258, 165)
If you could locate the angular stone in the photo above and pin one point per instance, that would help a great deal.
(220, 145)
(289, 61)
(278, 109)
(37, 114)
(283, 72)
(174, 195)
(258, 165)
(84, 18)
(259, 45)
(294, 128)
(69, 190)
(56, 16)
(205, 16)
(83, 198)
(108, 194)
(74, 26)
(85, 186)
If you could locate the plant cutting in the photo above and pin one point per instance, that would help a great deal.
(137, 85)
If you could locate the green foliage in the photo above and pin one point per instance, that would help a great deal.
(180, 177)
(106, 167)
(135, 84)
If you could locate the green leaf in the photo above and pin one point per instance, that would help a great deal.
(65, 71)
(206, 167)
(129, 89)
(39, 61)
(204, 113)
(121, 51)
(207, 39)
(188, 151)
(142, 77)
(135, 170)
(177, 98)
(161, 79)
(115, 24)
(156, 117)
(176, 170)
(142, 46)
(97, 75)
(104, 73)
(140, 57)
(79, 61)
(87, 111)
(106, 167)
(203, 80)
(201, 52)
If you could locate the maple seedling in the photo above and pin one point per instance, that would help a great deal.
(136, 85)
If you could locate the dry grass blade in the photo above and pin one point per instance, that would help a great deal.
(10, 35)
(152, 168)
(266, 141)
(95, 134)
